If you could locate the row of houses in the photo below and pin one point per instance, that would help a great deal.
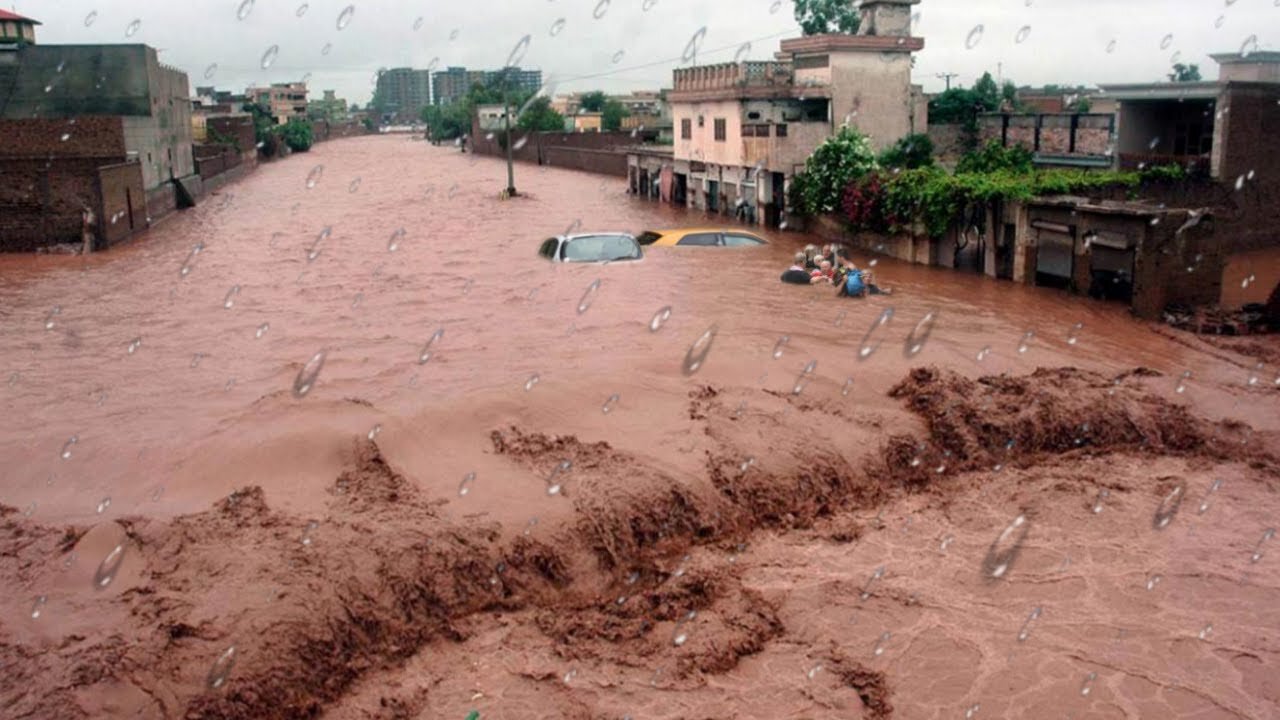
(743, 130)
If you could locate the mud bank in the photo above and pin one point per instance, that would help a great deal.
(243, 610)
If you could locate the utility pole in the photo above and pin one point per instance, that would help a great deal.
(947, 77)
(506, 114)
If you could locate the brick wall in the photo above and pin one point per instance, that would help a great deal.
(86, 136)
(604, 162)
(601, 152)
(1092, 134)
(948, 142)
(42, 200)
(237, 129)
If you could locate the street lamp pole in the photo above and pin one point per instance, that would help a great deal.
(506, 114)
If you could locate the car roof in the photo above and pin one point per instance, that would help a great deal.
(688, 231)
(605, 233)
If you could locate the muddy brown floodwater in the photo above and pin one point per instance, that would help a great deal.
(539, 514)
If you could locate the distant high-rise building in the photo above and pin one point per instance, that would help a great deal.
(454, 83)
(403, 92)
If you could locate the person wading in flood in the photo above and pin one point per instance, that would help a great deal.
(797, 274)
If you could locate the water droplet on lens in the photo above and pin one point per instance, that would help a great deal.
(1023, 33)
(245, 8)
(131, 29)
(103, 505)
(1166, 41)
(108, 568)
(975, 36)
(866, 349)
(659, 318)
(314, 251)
(134, 345)
(88, 19)
(919, 334)
(464, 487)
(698, 351)
(1074, 335)
(866, 587)
(302, 9)
(1153, 581)
(1208, 496)
(262, 330)
(1087, 686)
(1004, 550)
(37, 607)
(588, 296)
(221, 668)
(354, 186)
(393, 243)
(743, 50)
(848, 386)
(326, 49)
(344, 18)
(1249, 46)
(777, 4)
(517, 53)
(453, 34)
(680, 635)
(881, 643)
(1257, 551)
(1111, 47)
(554, 486)
(780, 346)
(425, 354)
(417, 24)
(308, 375)
(1103, 494)
(1025, 632)
(695, 42)
(602, 7)
(230, 299)
(1206, 631)
(313, 177)
(610, 404)
(375, 431)
(210, 71)
(269, 56)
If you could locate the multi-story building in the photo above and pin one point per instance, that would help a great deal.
(16, 29)
(331, 108)
(99, 129)
(403, 92)
(284, 101)
(742, 130)
(453, 83)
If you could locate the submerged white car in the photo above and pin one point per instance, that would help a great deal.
(591, 248)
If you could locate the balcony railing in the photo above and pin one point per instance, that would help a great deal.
(733, 75)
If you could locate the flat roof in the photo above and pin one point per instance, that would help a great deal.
(1162, 91)
(1255, 57)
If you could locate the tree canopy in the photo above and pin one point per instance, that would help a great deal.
(817, 17)
(594, 101)
(1185, 73)
(541, 116)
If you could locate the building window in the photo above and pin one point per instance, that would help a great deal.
(780, 130)
(701, 122)
(755, 130)
(720, 130)
(686, 129)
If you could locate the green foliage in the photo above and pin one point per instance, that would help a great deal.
(987, 93)
(909, 153)
(541, 116)
(297, 135)
(594, 101)
(264, 125)
(1080, 105)
(993, 157)
(613, 112)
(817, 17)
(1185, 73)
(841, 159)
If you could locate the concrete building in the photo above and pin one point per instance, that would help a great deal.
(16, 29)
(585, 121)
(330, 107)
(454, 83)
(403, 92)
(742, 130)
(284, 101)
(491, 118)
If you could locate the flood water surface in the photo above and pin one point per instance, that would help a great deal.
(255, 339)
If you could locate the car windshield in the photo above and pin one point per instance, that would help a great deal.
(599, 248)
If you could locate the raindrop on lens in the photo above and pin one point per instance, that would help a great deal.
(37, 607)
(610, 404)
(517, 52)
(848, 386)
(1257, 551)
(302, 10)
(1168, 508)
(1166, 41)
(230, 299)
(269, 56)
(88, 19)
(659, 318)
(617, 57)
(1208, 496)
(221, 668)
(1103, 494)
(983, 353)
(375, 431)
(1026, 341)
(210, 71)
(602, 7)
(313, 177)
(865, 350)
(308, 375)
(974, 37)
(695, 42)
(306, 533)
(533, 380)
(780, 346)
(1153, 581)
(919, 335)
(742, 52)
(866, 587)
(1074, 334)
(1004, 550)
(698, 351)
(425, 354)
(354, 186)
(588, 296)
(1022, 35)
(1206, 631)
(314, 252)
(1111, 47)
(132, 28)
(103, 505)
(1087, 686)
(262, 330)
(393, 243)
(65, 453)
(245, 8)
(108, 568)
(1025, 632)
(326, 49)
(804, 377)
(880, 644)
(464, 487)
(553, 486)
(680, 635)
(134, 345)
(344, 18)
(1182, 382)
(48, 320)
(1249, 46)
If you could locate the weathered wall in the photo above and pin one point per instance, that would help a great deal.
(604, 162)
(1250, 138)
(89, 136)
(42, 200)
(948, 142)
(703, 146)
(1092, 132)
(82, 80)
(122, 209)
(873, 89)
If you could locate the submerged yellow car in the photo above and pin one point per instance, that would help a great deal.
(704, 237)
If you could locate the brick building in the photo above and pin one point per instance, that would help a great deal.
(103, 128)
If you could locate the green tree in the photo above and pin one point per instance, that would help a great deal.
(817, 17)
(838, 161)
(541, 116)
(613, 112)
(1185, 73)
(1009, 96)
(909, 153)
(594, 101)
(264, 125)
(297, 134)
(987, 93)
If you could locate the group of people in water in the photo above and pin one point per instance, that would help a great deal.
(828, 266)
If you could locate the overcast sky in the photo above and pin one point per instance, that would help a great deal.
(629, 47)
